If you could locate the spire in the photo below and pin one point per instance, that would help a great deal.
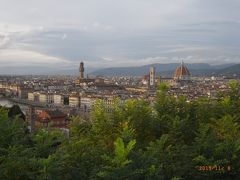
(182, 63)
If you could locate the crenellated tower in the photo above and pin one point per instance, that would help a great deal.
(81, 70)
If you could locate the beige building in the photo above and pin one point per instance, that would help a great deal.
(74, 101)
(46, 98)
(43, 98)
(31, 96)
(23, 92)
(58, 99)
(87, 103)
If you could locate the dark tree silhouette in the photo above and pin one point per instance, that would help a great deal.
(16, 110)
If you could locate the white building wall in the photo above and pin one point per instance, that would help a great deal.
(58, 99)
(152, 76)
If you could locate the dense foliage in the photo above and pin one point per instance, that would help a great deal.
(175, 139)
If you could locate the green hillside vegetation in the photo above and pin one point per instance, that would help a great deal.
(174, 139)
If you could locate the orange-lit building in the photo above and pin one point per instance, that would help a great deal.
(52, 118)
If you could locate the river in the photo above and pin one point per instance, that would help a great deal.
(7, 103)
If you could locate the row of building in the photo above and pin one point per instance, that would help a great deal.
(63, 96)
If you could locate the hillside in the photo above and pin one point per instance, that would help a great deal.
(162, 69)
(234, 69)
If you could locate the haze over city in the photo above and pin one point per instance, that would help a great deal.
(52, 35)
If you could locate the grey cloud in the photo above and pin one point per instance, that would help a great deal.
(4, 41)
(126, 32)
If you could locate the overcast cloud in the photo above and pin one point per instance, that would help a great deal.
(57, 34)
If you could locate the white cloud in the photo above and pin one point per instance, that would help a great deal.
(11, 35)
(23, 58)
(108, 59)
(4, 40)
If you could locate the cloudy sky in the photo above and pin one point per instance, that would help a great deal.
(54, 35)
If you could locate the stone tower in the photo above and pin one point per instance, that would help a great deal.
(81, 70)
(152, 77)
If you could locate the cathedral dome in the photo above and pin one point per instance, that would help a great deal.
(182, 72)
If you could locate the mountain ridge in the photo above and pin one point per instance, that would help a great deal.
(231, 70)
(161, 69)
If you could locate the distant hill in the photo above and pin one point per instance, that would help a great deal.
(231, 70)
(162, 69)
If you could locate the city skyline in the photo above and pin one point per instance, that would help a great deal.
(54, 35)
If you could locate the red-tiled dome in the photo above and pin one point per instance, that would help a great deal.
(182, 72)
